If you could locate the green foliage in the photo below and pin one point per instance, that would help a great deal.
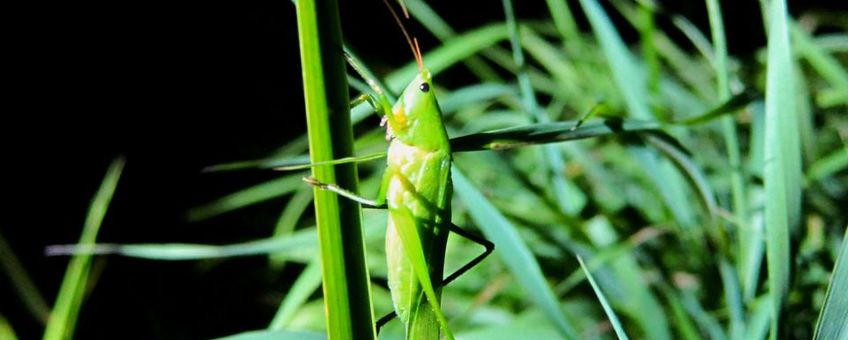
(695, 202)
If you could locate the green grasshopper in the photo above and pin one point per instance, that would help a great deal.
(416, 190)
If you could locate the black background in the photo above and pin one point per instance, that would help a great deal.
(175, 87)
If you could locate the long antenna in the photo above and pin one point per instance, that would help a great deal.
(413, 46)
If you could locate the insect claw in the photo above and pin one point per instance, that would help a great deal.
(384, 120)
(314, 181)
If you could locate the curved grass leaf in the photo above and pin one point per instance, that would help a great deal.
(512, 251)
(63, 318)
(689, 169)
(833, 319)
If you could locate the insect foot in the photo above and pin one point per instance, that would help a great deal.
(314, 182)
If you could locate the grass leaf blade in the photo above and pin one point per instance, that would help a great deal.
(782, 168)
(69, 300)
(833, 319)
(512, 250)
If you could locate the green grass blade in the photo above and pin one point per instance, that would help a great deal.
(730, 105)
(246, 197)
(546, 133)
(275, 335)
(6, 330)
(564, 21)
(686, 328)
(63, 318)
(828, 165)
(758, 320)
(298, 241)
(26, 289)
(306, 284)
(436, 25)
(294, 210)
(733, 300)
(706, 321)
(568, 196)
(826, 65)
(628, 77)
(833, 319)
(347, 293)
(782, 172)
(454, 51)
(513, 251)
(616, 324)
(690, 170)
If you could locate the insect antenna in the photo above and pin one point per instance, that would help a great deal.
(413, 43)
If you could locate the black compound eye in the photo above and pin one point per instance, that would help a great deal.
(424, 87)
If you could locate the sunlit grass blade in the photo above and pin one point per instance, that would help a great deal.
(246, 197)
(306, 284)
(286, 224)
(624, 284)
(733, 300)
(826, 65)
(63, 317)
(604, 256)
(276, 335)
(782, 172)
(689, 169)
(347, 294)
(833, 319)
(628, 77)
(678, 315)
(298, 241)
(757, 324)
(569, 198)
(828, 165)
(616, 324)
(6, 331)
(513, 251)
(705, 321)
(456, 50)
(439, 28)
(22, 282)
(631, 81)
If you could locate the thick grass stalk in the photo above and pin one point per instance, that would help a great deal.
(347, 296)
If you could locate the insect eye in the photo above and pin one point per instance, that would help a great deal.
(424, 87)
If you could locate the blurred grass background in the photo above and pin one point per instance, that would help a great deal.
(670, 263)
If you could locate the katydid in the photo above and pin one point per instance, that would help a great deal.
(416, 190)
